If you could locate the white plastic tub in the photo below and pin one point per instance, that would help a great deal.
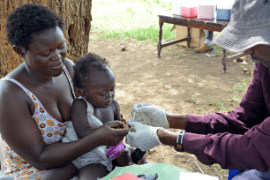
(176, 7)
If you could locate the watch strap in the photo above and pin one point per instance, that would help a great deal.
(179, 141)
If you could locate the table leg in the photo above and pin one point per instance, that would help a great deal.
(224, 61)
(188, 36)
(160, 38)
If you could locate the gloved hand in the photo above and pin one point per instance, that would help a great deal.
(142, 136)
(150, 114)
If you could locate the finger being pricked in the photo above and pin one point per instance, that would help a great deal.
(114, 132)
(121, 128)
(117, 125)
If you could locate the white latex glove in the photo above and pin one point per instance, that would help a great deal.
(143, 136)
(150, 114)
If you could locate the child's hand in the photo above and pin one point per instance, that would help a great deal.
(122, 125)
(123, 120)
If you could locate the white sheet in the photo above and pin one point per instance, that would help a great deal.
(189, 176)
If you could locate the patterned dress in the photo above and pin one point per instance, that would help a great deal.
(51, 130)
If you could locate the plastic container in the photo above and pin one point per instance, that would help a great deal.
(189, 12)
(224, 9)
(206, 11)
(176, 7)
(224, 14)
(189, 9)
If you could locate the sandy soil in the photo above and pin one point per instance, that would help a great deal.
(180, 82)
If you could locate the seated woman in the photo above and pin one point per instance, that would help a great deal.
(36, 99)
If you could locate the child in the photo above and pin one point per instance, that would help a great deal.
(94, 82)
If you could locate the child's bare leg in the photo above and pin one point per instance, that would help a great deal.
(64, 173)
(92, 172)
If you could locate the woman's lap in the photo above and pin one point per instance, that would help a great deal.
(66, 173)
(93, 172)
(252, 174)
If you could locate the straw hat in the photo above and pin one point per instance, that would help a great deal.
(248, 27)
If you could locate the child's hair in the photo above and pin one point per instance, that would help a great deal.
(84, 65)
(30, 19)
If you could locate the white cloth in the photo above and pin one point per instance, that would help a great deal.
(97, 155)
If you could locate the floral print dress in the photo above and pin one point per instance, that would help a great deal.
(51, 130)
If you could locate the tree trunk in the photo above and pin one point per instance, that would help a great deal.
(77, 15)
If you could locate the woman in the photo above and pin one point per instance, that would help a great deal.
(36, 100)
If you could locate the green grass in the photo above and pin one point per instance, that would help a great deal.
(198, 111)
(233, 99)
(218, 50)
(239, 87)
(219, 104)
(178, 55)
(192, 100)
(131, 19)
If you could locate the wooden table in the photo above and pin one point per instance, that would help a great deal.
(211, 25)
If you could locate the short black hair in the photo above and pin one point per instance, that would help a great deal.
(84, 65)
(28, 20)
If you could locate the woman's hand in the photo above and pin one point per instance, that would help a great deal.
(112, 132)
(150, 114)
(142, 136)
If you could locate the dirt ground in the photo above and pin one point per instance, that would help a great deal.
(180, 82)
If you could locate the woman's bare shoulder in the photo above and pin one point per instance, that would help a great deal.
(13, 96)
(8, 87)
(70, 66)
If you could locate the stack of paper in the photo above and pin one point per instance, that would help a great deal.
(188, 176)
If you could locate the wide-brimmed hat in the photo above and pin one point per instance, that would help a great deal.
(248, 27)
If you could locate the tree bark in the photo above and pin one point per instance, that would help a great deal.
(77, 15)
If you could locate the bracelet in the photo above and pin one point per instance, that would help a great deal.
(179, 141)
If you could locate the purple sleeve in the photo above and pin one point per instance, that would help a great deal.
(235, 139)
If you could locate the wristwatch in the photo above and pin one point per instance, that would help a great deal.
(179, 141)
